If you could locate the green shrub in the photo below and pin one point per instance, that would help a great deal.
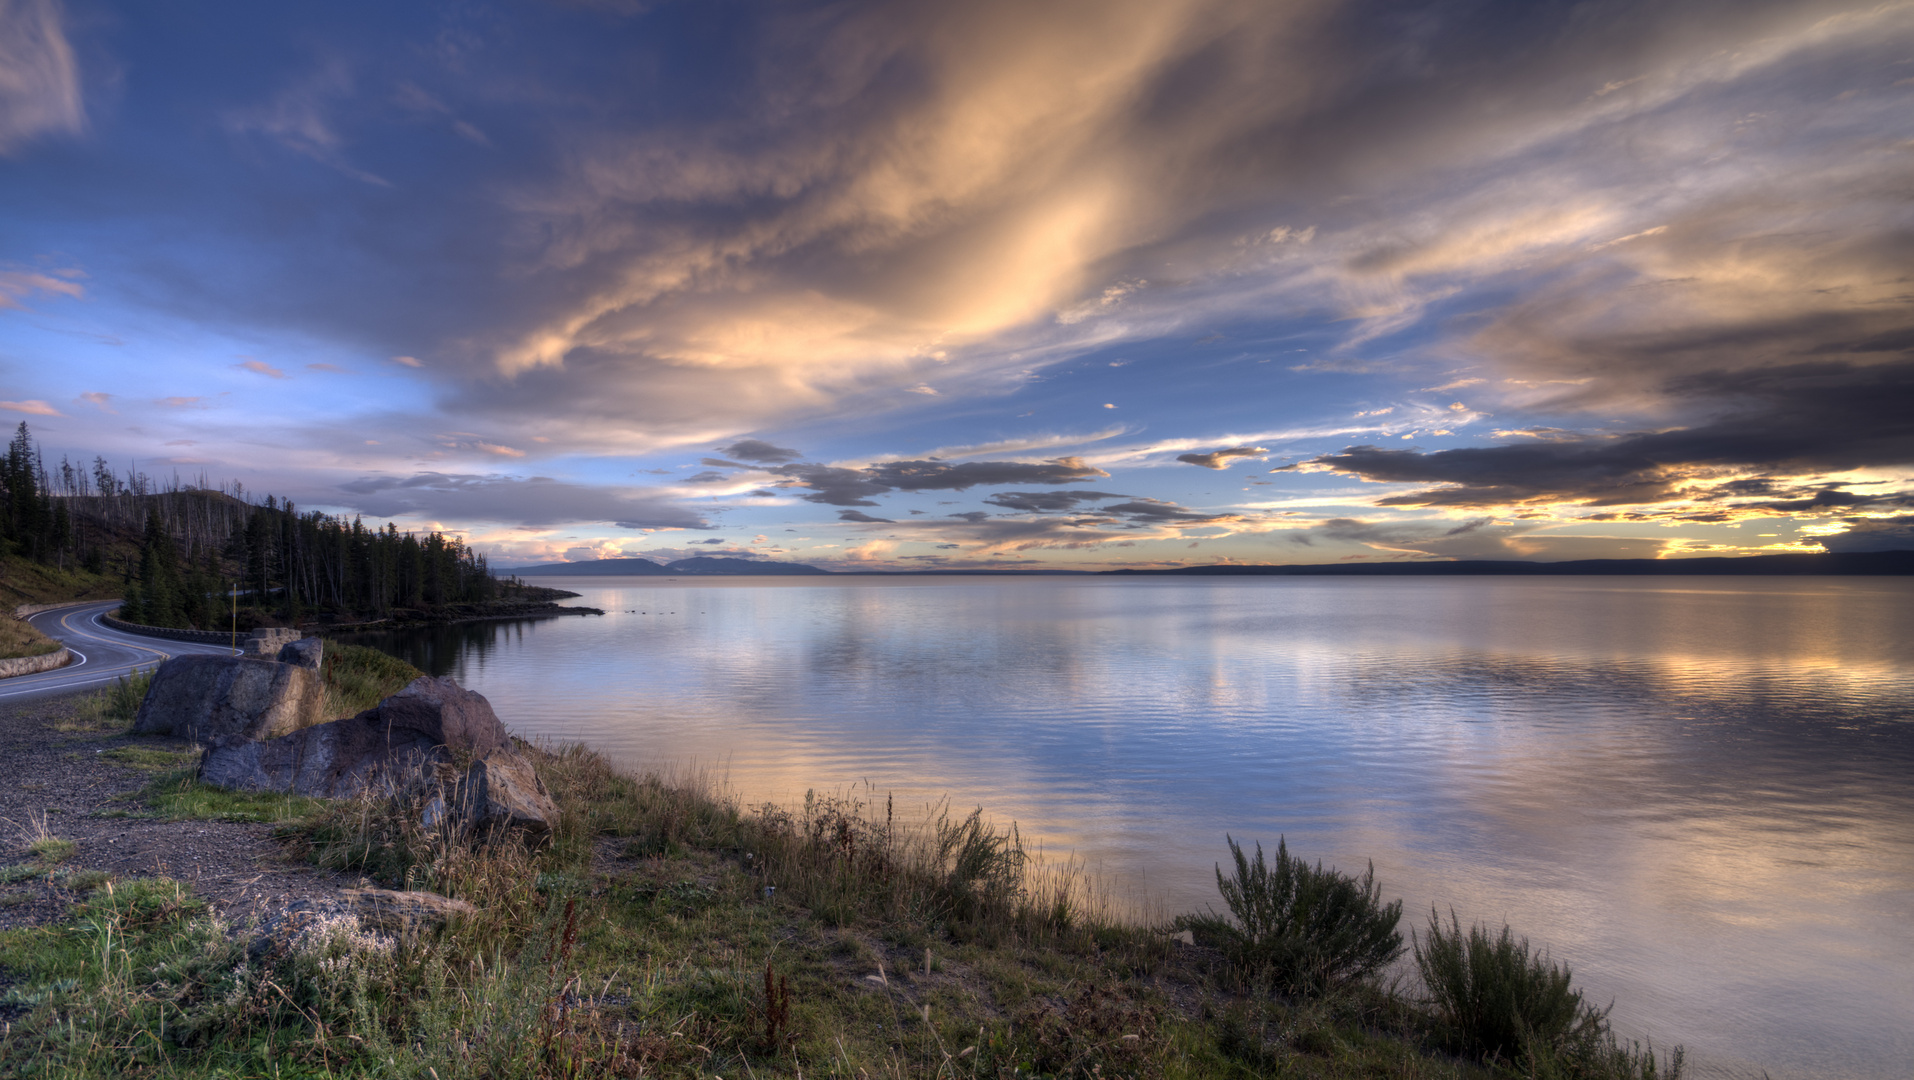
(121, 701)
(1303, 929)
(1498, 999)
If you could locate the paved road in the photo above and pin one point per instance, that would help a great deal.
(100, 653)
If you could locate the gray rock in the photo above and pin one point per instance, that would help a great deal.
(387, 911)
(392, 747)
(305, 653)
(501, 792)
(265, 643)
(379, 911)
(209, 697)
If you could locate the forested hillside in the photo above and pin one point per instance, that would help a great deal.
(187, 554)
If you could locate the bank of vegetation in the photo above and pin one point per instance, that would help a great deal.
(668, 930)
(18, 639)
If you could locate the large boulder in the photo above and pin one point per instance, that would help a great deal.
(392, 747)
(204, 698)
(305, 653)
(501, 792)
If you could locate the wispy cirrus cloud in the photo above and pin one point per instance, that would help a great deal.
(39, 77)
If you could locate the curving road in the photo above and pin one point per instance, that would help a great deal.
(100, 653)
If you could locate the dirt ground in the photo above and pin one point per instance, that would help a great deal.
(56, 774)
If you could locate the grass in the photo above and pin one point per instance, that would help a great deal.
(357, 678)
(38, 837)
(178, 795)
(668, 930)
(151, 758)
(23, 581)
(18, 638)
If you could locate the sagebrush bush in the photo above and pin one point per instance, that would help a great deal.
(1497, 998)
(1302, 928)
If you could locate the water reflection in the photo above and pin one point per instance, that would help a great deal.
(1695, 791)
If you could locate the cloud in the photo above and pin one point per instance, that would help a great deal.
(1872, 534)
(330, 368)
(853, 487)
(862, 518)
(1158, 512)
(260, 367)
(98, 399)
(299, 119)
(1475, 538)
(31, 408)
(39, 78)
(1620, 225)
(759, 452)
(470, 443)
(535, 502)
(179, 401)
(16, 285)
(1043, 502)
(1220, 459)
(1804, 420)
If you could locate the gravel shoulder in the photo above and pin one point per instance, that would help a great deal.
(70, 778)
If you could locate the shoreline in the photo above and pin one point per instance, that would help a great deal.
(904, 947)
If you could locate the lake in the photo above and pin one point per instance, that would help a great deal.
(1699, 792)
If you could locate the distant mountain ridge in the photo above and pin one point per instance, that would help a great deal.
(1843, 563)
(697, 565)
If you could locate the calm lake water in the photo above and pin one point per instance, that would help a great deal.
(1699, 792)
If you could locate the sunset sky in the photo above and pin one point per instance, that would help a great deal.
(981, 284)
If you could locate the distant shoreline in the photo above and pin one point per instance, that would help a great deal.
(1836, 564)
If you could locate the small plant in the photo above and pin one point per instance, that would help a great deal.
(1305, 929)
(48, 848)
(121, 701)
(1499, 999)
(777, 1010)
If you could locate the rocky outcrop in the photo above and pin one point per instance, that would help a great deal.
(391, 747)
(501, 792)
(305, 653)
(204, 698)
